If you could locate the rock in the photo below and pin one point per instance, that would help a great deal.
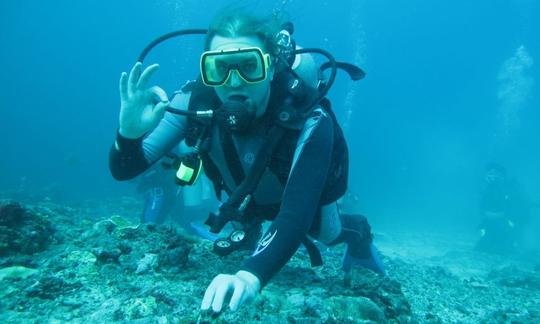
(21, 260)
(12, 214)
(110, 308)
(23, 231)
(121, 223)
(148, 262)
(515, 277)
(104, 226)
(296, 300)
(72, 302)
(49, 287)
(83, 262)
(140, 308)
(16, 272)
(176, 257)
(271, 301)
(382, 290)
(107, 255)
(345, 308)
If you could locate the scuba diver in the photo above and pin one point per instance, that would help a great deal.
(164, 197)
(505, 213)
(160, 193)
(261, 125)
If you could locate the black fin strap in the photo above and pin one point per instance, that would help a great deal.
(313, 251)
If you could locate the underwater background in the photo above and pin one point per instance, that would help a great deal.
(450, 87)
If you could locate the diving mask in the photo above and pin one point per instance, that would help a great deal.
(250, 63)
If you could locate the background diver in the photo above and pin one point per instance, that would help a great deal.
(505, 213)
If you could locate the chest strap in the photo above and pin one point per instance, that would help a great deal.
(231, 155)
(233, 209)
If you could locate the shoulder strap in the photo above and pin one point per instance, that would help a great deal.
(292, 101)
(231, 155)
(262, 159)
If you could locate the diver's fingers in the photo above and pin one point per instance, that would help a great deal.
(133, 77)
(209, 295)
(159, 92)
(159, 110)
(123, 87)
(236, 299)
(219, 298)
(145, 76)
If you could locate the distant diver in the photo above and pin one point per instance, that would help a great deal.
(505, 213)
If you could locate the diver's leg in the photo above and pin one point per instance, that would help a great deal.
(353, 230)
(168, 202)
(329, 224)
(153, 206)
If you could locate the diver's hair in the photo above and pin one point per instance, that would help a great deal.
(237, 22)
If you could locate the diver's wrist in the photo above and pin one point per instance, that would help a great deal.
(123, 143)
(250, 279)
(130, 133)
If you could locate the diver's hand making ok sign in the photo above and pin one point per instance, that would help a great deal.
(139, 112)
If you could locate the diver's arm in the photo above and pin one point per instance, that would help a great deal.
(300, 201)
(130, 157)
(126, 158)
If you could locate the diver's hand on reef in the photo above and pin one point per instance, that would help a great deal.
(139, 112)
(244, 285)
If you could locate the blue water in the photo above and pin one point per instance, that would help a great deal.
(421, 126)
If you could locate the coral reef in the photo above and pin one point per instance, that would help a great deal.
(102, 266)
(22, 230)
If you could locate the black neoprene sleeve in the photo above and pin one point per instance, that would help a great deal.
(301, 200)
(126, 158)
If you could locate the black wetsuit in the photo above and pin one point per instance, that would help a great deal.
(300, 197)
(505, 213)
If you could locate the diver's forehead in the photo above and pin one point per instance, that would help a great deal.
(224, 43)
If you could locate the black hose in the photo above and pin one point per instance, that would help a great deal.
(189, 113)
(165, 37)
(332, 64)
(161, 39)
(181, 112)
(333, 67)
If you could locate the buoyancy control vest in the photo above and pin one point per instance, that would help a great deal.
(286, 110)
